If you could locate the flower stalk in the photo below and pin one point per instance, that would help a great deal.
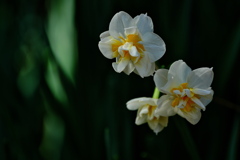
(156, 93)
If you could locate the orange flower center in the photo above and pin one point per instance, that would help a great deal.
(131, 38)
(189, 104)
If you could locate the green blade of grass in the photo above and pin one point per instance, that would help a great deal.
(187, 139)
(233, 142)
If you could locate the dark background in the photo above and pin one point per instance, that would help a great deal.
(60, 98)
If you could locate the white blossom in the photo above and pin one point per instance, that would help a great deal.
(146, 109)
(187, 92)
(132, 42)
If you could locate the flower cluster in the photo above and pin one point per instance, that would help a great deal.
(136, 49)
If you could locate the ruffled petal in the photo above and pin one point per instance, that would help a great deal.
(153, 124)
(157, 125)
(144, 23)
(140, 120)
(124, 48)
(193, 117)
(131, 30)
(158, 129)
(201, 91)
(138, 102)
(200, 78)
(164, 106)
(120, 21)
(129, 68)
(177, 75)
(154, 45)
(104, 35)
(134, 52)
(188, 93)
(120, 66)
(152, 69)
(179, 72)
(143, 111)
(198, 102)
(143, 66)
(160, 78)
(105, 47)
(163, 121)
(206, 99)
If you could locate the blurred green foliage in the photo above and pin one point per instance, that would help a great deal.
(60, 99)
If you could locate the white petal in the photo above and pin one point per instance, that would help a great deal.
(131, 30)
(123, 48)
(120, 21)
(135, 71)
(120, 66)
(154, 45)
(177, 75)
(164, 84)
(157, 125)
(153, 124)
(140, 120)
(188, 93)
(167, 88)
(143, 111)
(133, 104)
(179, 72)
(106, 50)
(181, 104)
(104, 35)
(152, 69)
(201, 91)
(133, 52)
(143, 66)
(200, 78)
(115, 66)
(129, 68)
(198, 102)
(160, 78)
(158, 129)
(138, 102)
(126, 46)
(144, 23)
(135, 59)
(206, 99)
(163, 121)
(193, 117)
(164, 106)
(177, 92)
(150, 101)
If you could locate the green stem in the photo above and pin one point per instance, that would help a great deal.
(156, 93)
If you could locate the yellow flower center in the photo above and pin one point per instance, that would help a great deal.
(189, 104)
(131, 38)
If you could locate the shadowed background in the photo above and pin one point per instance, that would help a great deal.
(60, 98)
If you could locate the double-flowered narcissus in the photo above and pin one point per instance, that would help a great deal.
(132, 42)
(187, 91)
(146, 113)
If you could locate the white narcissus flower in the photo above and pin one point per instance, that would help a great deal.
(146, 109)
(132, 42)
(187, 92)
